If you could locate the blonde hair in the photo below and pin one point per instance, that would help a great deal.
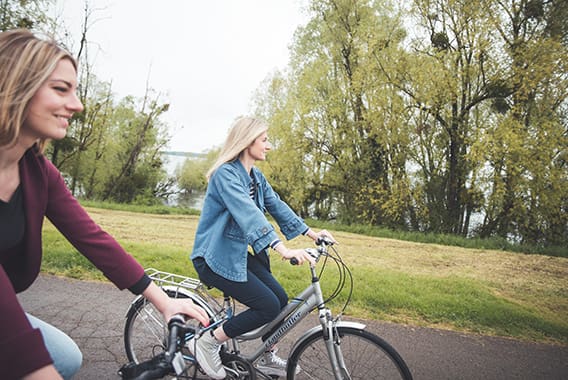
(242, 134)
(26, 62)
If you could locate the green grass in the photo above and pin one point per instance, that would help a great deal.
(487, 292)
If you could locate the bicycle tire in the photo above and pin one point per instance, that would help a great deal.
(366, 356)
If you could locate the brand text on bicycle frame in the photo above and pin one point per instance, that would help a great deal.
(282, 330)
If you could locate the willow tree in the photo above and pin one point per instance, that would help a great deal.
(138, 135)
(526, 146)
(446, 83)
(329, 113)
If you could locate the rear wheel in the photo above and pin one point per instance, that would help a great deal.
(366, 356)
(145, 332)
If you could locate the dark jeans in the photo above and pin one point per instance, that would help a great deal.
(261, 293)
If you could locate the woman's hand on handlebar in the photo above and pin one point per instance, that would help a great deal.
(321, 235)
(185, 306)
(172, 306)
(300, 256)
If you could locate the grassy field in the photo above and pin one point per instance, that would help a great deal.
(471, 290)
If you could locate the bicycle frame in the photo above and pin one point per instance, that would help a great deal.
(288, 318)
(296, 310)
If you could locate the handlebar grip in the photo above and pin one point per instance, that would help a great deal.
(177, 318)
(324, 240)
(312, 252)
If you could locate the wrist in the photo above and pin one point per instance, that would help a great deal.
(312, 234)
(281, 249)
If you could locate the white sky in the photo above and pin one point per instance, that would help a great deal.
(206, 57)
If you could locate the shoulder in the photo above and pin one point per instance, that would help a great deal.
(222, 172)
(34, 164)
(37, 169)
(229, 170)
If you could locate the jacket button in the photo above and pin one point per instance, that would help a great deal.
(264, 230)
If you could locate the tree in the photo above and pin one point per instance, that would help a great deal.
(329, 144)
(29, 14)
(191, 176)
(528, 141)
(139, 137)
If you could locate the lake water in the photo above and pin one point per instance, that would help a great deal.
(193, 200)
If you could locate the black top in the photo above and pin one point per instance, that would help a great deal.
(12, 220)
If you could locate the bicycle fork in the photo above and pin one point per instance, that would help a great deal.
(333, 345)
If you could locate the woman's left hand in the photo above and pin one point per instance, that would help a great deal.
(186, 307)
(172, 306)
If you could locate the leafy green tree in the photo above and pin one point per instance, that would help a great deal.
(191, 175)
(29, 14)
(464, 119)
(329, 147)
(137, 164)
(528, 141)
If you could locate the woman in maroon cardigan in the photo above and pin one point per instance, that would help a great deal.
(38, 83)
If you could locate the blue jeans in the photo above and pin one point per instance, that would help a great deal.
(261, 293)
(64, 351)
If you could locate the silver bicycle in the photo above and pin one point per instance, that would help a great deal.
(333, 349)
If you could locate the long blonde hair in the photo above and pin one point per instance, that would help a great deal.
(26, 62)
(243, 132)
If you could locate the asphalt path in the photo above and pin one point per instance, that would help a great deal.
(93, 314)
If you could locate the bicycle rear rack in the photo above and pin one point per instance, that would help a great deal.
(175, 282)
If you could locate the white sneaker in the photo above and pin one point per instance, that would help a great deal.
(207, 354)
(273, 365)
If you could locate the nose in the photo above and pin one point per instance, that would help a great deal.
(268, 145)
(75, 104)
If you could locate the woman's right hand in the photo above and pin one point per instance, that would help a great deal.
(300, 255)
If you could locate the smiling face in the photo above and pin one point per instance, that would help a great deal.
(52, 106)
(257, 150)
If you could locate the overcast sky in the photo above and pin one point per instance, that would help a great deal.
(206, 57)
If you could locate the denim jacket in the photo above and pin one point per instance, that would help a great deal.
(231, 221)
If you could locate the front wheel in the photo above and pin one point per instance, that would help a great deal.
(365, 356)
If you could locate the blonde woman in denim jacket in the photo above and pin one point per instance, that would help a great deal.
(232, 221)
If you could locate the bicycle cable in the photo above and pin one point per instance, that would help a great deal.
(344, 274)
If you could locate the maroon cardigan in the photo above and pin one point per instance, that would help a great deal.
(22, 349)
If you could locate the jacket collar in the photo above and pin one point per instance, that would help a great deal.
(243, 174)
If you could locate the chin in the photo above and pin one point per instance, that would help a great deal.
(58, 136)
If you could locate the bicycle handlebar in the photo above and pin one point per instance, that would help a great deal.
(322, 242)
(160, 365)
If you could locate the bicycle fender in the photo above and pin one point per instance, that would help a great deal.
(317, 329)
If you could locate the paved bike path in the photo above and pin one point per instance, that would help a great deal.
(93, 313)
